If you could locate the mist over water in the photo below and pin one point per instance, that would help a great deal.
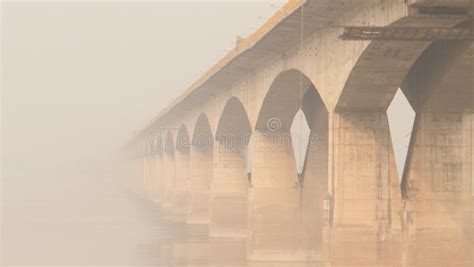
(78, 79)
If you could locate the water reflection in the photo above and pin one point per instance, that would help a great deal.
(84, 219)
(190, 245)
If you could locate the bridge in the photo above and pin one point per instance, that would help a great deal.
(222, 153)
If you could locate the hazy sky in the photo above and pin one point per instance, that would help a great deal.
(79, 77)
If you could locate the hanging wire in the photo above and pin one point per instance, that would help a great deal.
(300, 175)
(301, 90)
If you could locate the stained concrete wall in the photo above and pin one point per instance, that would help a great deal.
(201, 171)
(228, 199)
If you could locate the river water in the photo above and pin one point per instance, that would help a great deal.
(89, 219)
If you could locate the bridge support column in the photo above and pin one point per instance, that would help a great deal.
(168, 181)
(438, 190)
(366, 224)
(437, 182)
(149, 162)
(201, 175)
(228, 200)
(158, 178)
(275, 219)
(180, 198)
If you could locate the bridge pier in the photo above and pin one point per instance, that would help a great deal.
(169, 176)
(201, 174)
(438, 180)
(158, 176)
(366, 229)
(182, 157)
(201, 156)
(438, 190)
(228, 201)
(276, 231)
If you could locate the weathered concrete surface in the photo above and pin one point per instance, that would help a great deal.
(348, 206)
(230, 184)
(438, 180)
(201, 160)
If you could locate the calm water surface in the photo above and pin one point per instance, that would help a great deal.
(85, 219)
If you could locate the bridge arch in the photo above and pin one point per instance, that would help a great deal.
(384, 64)
(228, 203)
(287, 208)
(201, 170)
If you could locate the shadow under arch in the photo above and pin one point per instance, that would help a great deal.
(201, 171)
(282, 209)
(228, 202)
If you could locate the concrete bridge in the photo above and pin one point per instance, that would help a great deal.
(339, 63)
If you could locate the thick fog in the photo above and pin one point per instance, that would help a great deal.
(78, 79)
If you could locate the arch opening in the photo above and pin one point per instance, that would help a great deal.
(401, 120)
(300, 134)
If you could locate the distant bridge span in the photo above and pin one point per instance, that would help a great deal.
(340, 62)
